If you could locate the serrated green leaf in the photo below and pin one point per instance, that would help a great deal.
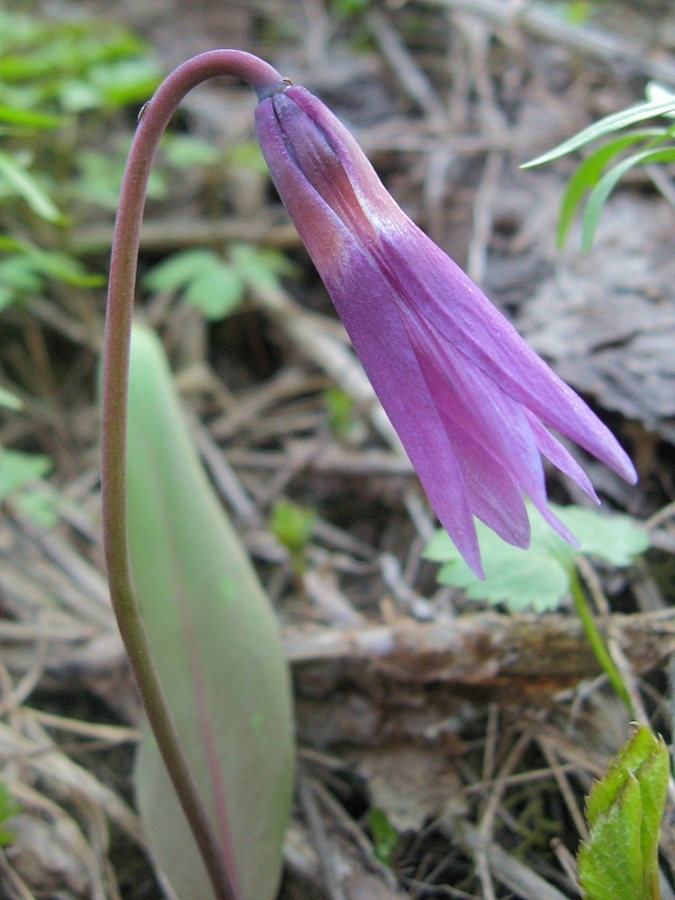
(608, 182)
(217, 292)
(614, 122)
(624, 811)
(614, 538)
(586, 175)
(216, 646)
(610, 864)
(538, 577)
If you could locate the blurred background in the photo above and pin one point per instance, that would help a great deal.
(419, 778)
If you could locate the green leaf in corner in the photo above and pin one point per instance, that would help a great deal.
(538, 577)
(624, 811)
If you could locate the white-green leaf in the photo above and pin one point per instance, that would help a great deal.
(538, 577)
(216, 646)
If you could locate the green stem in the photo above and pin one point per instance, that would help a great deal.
(595, 639)
(153, 120)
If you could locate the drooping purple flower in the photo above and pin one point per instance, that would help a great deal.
(470, 400)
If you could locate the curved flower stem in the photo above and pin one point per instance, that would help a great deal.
(153, 120)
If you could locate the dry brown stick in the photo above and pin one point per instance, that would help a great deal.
(411, 77)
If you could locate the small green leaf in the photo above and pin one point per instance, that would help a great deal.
(126, 81)
(179, 270)
(18, 469)
(209, 283)
(8, 808)
(385, 836)
(614, 122)
(538, 577)
(259, 267)
(292, 524)
(8, 399)
(624, 811)
(246, 155)
(40, 506)
(27, 118)
(216, 292)
(184, 150)
(608, 182)
(27, 187)
(588, 172)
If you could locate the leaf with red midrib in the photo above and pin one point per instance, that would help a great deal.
(215, 642)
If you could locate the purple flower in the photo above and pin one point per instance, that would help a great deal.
(469, 398)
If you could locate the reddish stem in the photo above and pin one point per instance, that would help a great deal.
(153, 120)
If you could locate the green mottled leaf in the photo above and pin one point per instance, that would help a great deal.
(538, 577)
(624, 811)
(216, 646)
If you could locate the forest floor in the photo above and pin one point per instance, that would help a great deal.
(477, 737)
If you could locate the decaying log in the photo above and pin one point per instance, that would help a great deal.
(483, 648)
(408, 679)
